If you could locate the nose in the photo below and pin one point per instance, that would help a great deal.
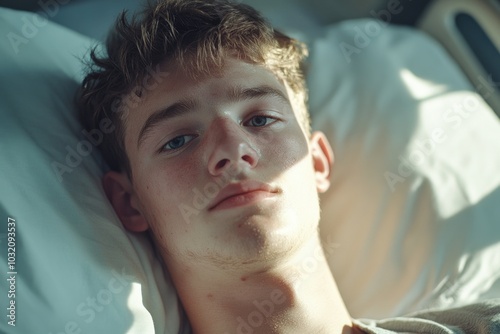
(231, 149)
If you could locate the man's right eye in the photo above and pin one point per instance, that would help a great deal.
(177, 143)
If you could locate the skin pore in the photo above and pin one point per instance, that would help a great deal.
(227, 181)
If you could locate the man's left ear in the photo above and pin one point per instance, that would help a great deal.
(322, 155)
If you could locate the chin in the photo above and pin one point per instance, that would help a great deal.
(257, 239)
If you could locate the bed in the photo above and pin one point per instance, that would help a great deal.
(412, 220)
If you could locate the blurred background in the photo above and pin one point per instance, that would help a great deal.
(327, 11)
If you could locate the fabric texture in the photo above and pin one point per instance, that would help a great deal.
(475, 318)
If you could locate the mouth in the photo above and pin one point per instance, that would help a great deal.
(243, 193)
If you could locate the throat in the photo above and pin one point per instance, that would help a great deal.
(285, 299)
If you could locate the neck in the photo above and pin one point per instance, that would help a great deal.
(298, 295)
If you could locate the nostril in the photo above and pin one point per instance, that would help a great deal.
(248, 159)
(221, 163)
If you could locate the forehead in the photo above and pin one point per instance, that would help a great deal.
(232, 73)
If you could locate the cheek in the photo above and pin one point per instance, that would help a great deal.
(165, 188)
(287, 150)
(290, 154)
(162, 196)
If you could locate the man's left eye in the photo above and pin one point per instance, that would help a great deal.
(259, 121)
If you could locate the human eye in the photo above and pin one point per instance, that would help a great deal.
(176, 143)
(260, 121)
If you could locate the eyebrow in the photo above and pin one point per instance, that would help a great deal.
(182, 107)
(238, 93)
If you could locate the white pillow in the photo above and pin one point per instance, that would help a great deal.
(91, 18)
(78, 271)
(412, 219)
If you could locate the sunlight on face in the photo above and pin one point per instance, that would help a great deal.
(221, 168)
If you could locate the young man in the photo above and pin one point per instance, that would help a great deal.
(213, 154)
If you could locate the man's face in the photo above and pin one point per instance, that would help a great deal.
(222, 170)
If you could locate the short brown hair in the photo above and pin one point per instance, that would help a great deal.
(194, 34)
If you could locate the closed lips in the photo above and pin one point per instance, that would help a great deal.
(247, 188)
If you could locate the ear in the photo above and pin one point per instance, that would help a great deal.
(322, 155)
(119, 191)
